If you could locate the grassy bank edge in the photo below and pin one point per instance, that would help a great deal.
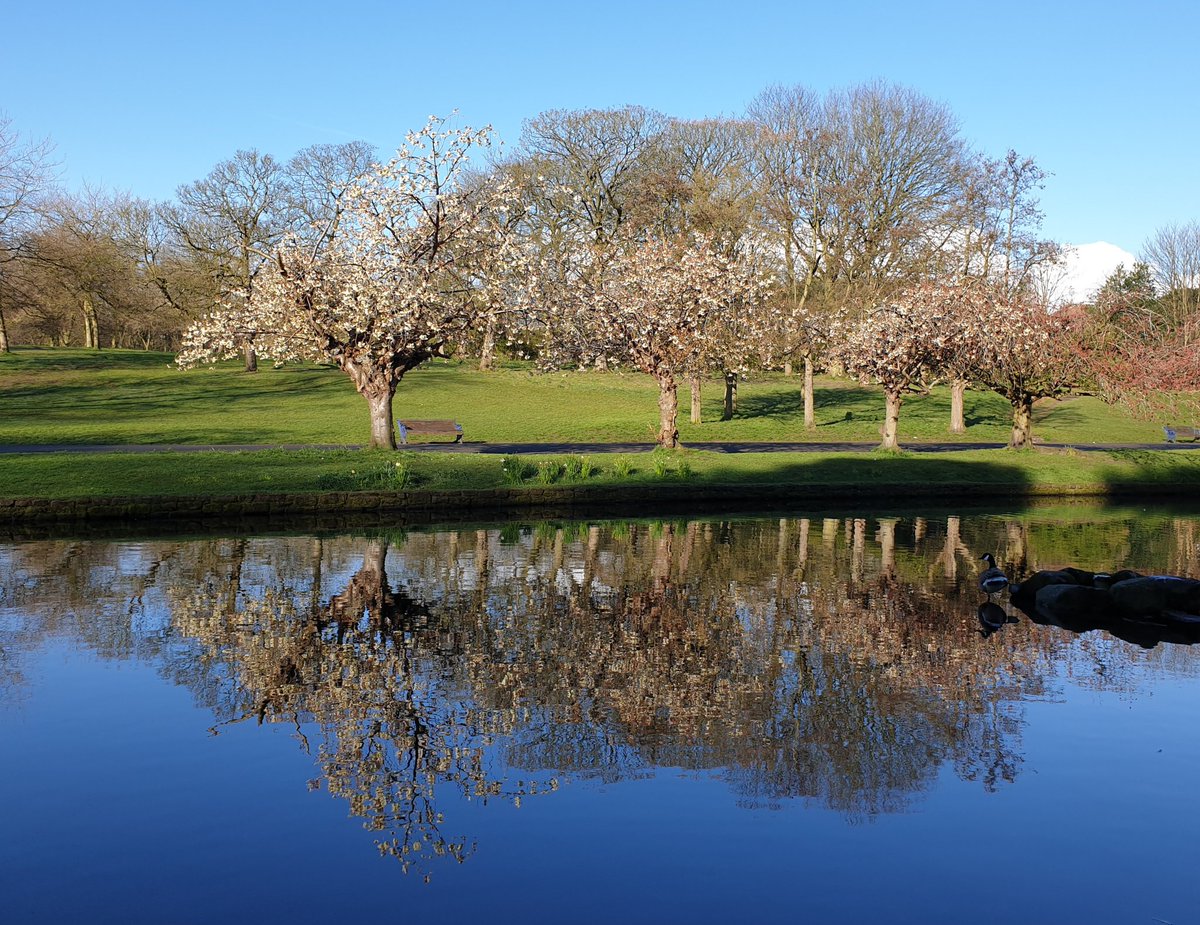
(468, 486)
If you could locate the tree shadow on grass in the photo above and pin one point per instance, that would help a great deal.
(882, 475)
(1157, 473)
(788, 404)
(35, 359)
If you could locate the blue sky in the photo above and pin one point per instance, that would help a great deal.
(146, 96)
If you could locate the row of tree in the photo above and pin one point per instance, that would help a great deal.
(856, 229)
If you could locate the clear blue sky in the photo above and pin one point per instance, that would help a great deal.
(146, 96)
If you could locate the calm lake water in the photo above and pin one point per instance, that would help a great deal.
(796, 719)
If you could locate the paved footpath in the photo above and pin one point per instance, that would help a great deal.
(530, 448)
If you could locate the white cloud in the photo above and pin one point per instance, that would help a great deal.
(1087, 266)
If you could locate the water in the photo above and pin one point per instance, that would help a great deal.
(779, 719)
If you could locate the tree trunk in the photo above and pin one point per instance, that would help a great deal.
(891, 421)
(1022, 429)
(787, 367)
(958, 423)
(91, 329)
(695, 383)
(668, 412)
(4, 345)
(810, 418)
(383, 428)
(251, 357)
(487, 352)
(731, 384)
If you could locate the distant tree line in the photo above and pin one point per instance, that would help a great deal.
(857, 231)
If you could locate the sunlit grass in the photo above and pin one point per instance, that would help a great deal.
(75, 396)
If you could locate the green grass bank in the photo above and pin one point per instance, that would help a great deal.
(111, 396)
(107, 397)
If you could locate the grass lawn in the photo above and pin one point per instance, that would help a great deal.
(79, 475)
(75, 396)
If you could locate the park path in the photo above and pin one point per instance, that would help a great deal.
(571, 448)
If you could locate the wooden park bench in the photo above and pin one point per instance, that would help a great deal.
(1177, 432)
(429, 427)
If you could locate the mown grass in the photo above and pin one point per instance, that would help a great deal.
(75, 396)
(71, 396)
(75, 475)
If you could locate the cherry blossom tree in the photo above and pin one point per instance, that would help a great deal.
(906, 344)
(660, 306)
(414, 263)
(1025, 352)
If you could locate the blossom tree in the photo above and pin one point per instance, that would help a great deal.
(905, 345)
(1025, 352)
(414, 264)
(659, 306)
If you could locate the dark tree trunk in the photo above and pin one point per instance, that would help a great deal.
(731, 384)
(251, 357)
(4, 345)
(1022, 429)
(668, 412)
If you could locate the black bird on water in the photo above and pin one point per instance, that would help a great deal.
(992, 581)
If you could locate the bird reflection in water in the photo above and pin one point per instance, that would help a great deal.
(993, 618)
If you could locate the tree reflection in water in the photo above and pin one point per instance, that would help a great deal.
(838, 660)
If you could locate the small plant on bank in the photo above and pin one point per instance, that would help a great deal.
(622, 467)
(579, 469)
(386, 476)
(516, 470)
(550, 471)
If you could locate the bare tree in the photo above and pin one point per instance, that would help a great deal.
(1173, 254)
(25, 173)
(230, 221)
(85, 265)
(317, 180)
(588, 169)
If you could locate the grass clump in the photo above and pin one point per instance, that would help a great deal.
(550, 471)
(517, 471)
(622, 467)
(381, 476)
(578, 469)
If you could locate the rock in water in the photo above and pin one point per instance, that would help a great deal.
(1154, 594)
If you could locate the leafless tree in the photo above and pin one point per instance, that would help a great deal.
(230, 221)
(25, 174)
